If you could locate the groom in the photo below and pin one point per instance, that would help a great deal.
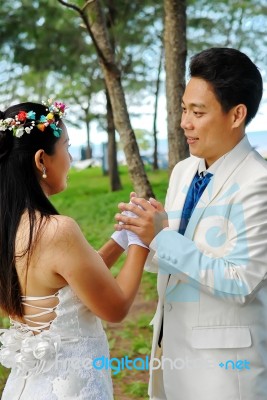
(210, 327)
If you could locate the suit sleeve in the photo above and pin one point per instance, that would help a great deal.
(242, 269)
(151, 262)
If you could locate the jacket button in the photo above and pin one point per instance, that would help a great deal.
(174, 260)
(161, 255)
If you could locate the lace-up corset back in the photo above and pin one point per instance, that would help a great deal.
(39, 312)
(61, 312)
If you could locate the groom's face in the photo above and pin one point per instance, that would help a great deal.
(209, 130)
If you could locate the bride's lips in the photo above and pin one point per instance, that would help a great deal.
(191, 140)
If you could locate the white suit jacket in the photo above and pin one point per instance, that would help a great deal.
(214, 304)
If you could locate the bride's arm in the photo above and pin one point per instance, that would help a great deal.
(86, 273)
(110, 252)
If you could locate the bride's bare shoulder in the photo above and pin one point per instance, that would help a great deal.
(58, 227)
(48, 231)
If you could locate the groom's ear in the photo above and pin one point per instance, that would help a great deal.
(239, 115)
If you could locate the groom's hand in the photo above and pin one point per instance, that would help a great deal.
(151, 218)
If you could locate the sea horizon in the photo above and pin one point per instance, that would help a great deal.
(257, 139)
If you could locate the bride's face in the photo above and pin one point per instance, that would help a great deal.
(57, 166)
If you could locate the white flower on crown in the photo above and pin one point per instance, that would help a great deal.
(19, 132)
(28, 129)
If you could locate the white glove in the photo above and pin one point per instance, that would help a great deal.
(128, 214)
(133, 238)
(121, 238)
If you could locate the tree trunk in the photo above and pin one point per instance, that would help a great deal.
(112, 75)
(94, 20)
(175, 59)
(155, 153)
(88, 150)
(114, 176)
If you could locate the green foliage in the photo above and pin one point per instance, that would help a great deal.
(4, 322)
(137, 389)
(53, 53)
(144, 320)
(46, 50)
(141, 345)
(48, 38)
(236, 23)
(144, 138)
(3, 377)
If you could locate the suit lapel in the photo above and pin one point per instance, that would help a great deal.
(181, 189)
(224, 172)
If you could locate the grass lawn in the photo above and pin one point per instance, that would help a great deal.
(89, 201)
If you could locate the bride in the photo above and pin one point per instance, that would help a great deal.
(54, 286)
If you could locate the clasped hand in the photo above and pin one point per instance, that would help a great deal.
(149, 219)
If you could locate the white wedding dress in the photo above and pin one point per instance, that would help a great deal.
(66, 358)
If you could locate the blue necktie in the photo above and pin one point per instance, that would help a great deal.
(194, 193)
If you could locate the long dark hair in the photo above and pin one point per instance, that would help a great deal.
(20, 192)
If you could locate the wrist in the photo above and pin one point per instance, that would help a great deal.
(135, 249)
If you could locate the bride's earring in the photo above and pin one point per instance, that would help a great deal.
(44, 173)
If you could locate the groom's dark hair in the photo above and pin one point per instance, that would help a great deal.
(234, 78)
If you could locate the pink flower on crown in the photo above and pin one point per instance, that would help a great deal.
(61, 106)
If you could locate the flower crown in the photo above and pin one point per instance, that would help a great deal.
(26, 121)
